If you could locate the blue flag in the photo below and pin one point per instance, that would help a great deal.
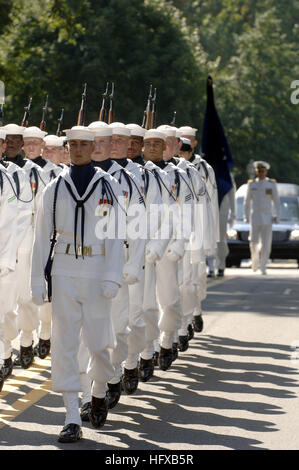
(214, 146)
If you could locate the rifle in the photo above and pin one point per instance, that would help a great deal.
(148, 111)
(154, 109)
(24, 122)
(173, 119)
(1, 114)
(42, 125)
(102, 115)
(81, 114)
(59, 126)
(111, 111)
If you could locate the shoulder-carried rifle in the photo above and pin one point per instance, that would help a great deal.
(25, 120)
(173, 119)
(111, 110)
(82, 110)
(103, 111)
(42, 125)
(148, 111)
(154, 113)
(59, 125)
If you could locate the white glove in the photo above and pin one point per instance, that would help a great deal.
(172, 255)
(151, 256)
(4, 272)
(38, 295)
(129, 278)
(245, 220)
(109, 289)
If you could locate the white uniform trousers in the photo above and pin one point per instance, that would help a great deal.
(200, 277)
(8, 316)
(120, 320)
(136, 338)
(28, 312)
(260, 245)
(151, 312)
(187, 292)
(77, 304)
(168, 296)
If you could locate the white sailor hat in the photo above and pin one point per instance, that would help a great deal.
(187, 130)
(136, 130)
(13, 129)
(261, 164)
(100, 129)
(54, 141)
(169, 131)
(186, 144)
(79, 133)
(34, 131)
(120, 129)
(2, 133)
(154, 134)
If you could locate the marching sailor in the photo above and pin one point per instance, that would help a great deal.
(80, 210)
(8, 256)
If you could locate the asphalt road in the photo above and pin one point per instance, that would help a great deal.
(235, 388)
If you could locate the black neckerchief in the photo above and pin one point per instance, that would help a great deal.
(161, 164)
(39, 161)
(192, 158)
(138, 160)
(121, 161)
(174, 160)
(81, 176)
(4, 163)
(18, 160)
(105, 165)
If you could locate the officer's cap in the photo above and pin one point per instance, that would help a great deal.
(261, 164)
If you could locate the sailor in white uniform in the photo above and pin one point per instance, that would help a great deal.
(261, 196)
(86, 273)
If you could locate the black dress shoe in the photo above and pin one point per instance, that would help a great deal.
(165, 358)
(26, 356)
(220, 273)
(156, 358)
(190, 332)
(175, 353)
(146, 369)
(130, 380)
(211, 274)
(98, 411)
(85, 409)
(70, 433)
(17, 361)
(113, 394)
(198, 323)
(183, 343)
(42, 349)
(7, 367)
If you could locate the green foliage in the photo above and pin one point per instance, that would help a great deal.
(250, 48)
(55, 46)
